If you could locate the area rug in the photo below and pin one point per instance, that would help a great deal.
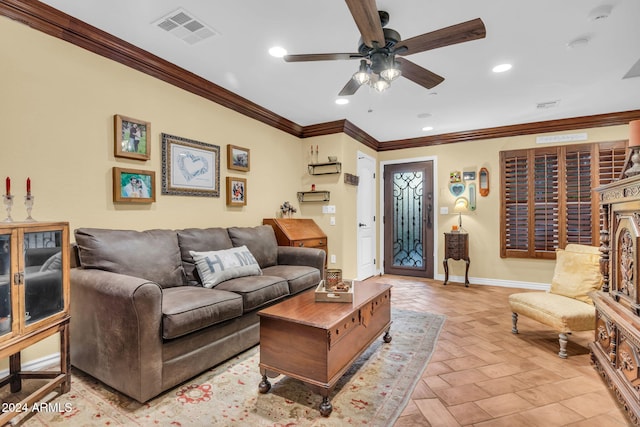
(373, 392)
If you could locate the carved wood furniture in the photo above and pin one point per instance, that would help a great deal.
(616, 349)
(456, 246)
(34, 304)
(302, 232)
(316, 342)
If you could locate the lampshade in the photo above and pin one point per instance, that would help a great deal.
(362, 75)
(634, 133)
(461, 204)
(381, 85)
(391, 73)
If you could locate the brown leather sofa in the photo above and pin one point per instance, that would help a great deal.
(141, 321)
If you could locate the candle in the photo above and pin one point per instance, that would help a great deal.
(8, 183)
(28, 186)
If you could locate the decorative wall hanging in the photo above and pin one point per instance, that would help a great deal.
(351, 179)
(238, 158)
(131, 138)
(472, 196)
(134, 185)
(469, 176)
(190, 168)
(455, 176)
(236, 191)
(483, 189)
(456, 189)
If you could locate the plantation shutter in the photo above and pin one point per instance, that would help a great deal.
(547, 198)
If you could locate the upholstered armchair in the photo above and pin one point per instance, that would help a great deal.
(567, 306)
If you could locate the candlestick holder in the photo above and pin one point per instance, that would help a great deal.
(28, 202)
(7, 199)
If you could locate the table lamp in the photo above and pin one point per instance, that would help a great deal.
(461, 205)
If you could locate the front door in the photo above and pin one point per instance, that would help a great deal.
(408, 219)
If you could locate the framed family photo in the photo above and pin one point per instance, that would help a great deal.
(134, 185)
(236, 191)
(131, 138)
(190, 168)
(238, 158)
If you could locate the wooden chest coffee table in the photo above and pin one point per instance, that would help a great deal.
(316, 342)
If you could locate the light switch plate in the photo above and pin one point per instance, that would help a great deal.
(444, 210)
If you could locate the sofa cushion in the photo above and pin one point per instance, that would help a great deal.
(260, 240)
(152, 255)
(299, 277)
(256, 291)
(214, 267)
(200, 240)
(187, 309)
(577, 272)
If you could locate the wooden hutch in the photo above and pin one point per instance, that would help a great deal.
(616, 349)
(298, 232)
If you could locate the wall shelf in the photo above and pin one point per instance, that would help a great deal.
(313, 196)
(324, 168)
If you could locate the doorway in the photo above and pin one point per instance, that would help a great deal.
(366, 207)
(408, 219)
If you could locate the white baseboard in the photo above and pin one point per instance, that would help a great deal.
(37, 364)
(497, 282)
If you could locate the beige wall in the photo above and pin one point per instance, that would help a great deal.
(483, 224)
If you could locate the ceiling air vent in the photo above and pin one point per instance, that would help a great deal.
(546, 105)
(184, 26)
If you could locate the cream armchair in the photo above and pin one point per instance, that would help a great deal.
(566, 307)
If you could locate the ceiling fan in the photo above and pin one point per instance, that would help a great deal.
(379, 47)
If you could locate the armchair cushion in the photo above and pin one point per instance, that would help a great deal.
(577, 272)
(560, 313)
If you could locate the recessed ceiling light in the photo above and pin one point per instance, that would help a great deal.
(427, 128)
(277, 51)
(600, 13)
(501, 68)
(342, 101)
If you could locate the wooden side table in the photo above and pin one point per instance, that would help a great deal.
(456, 246)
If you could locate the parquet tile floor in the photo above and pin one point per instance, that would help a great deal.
(483, 375)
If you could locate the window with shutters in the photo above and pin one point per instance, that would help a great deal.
(547, 200)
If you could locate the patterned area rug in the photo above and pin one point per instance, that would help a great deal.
(373, 392)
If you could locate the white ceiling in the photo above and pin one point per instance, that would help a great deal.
(532, 35)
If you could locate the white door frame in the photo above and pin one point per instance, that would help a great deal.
(436, 209)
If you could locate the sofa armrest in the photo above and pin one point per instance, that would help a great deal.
(294, 255)
(115, 330)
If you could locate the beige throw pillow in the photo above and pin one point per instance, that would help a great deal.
(215, 267)
(577, 272)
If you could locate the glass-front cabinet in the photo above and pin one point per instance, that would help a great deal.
(32, 277)
(34, 299)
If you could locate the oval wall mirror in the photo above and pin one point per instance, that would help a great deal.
(483, 187)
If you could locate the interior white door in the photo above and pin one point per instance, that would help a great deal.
(366, 206)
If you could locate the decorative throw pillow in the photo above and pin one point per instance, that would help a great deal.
(215, 267)
(577, 272)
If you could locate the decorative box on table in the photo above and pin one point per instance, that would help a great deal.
(325, 293)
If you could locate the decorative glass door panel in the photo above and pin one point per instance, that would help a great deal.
(43, 287)
(408, 219)
(5, 284)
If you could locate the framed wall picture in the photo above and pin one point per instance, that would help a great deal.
(238, 158)
(190, 168)
(131, 138)
(134, 185)
(236, 191)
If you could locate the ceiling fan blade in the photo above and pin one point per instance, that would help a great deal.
(350, 88)
(459, 33)
(321, 57)
(419, 75)
(365, 13)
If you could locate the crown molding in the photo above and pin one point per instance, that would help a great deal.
(51, 21)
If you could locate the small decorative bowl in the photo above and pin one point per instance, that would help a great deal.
(333, 158)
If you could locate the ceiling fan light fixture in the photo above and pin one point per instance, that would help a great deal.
(391, 73)
(362, 75)
(381, 85)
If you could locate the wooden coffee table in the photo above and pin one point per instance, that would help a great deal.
(316, 342)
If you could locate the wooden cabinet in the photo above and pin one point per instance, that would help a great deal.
(456, 246)
(615, 351)
(34, 302)
(298, 232)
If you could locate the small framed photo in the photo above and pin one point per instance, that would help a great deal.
(236, 191)
(190, 168)
(134, 185)
(238, 158)
(131, 138)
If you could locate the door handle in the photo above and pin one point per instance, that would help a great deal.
(361, 224)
